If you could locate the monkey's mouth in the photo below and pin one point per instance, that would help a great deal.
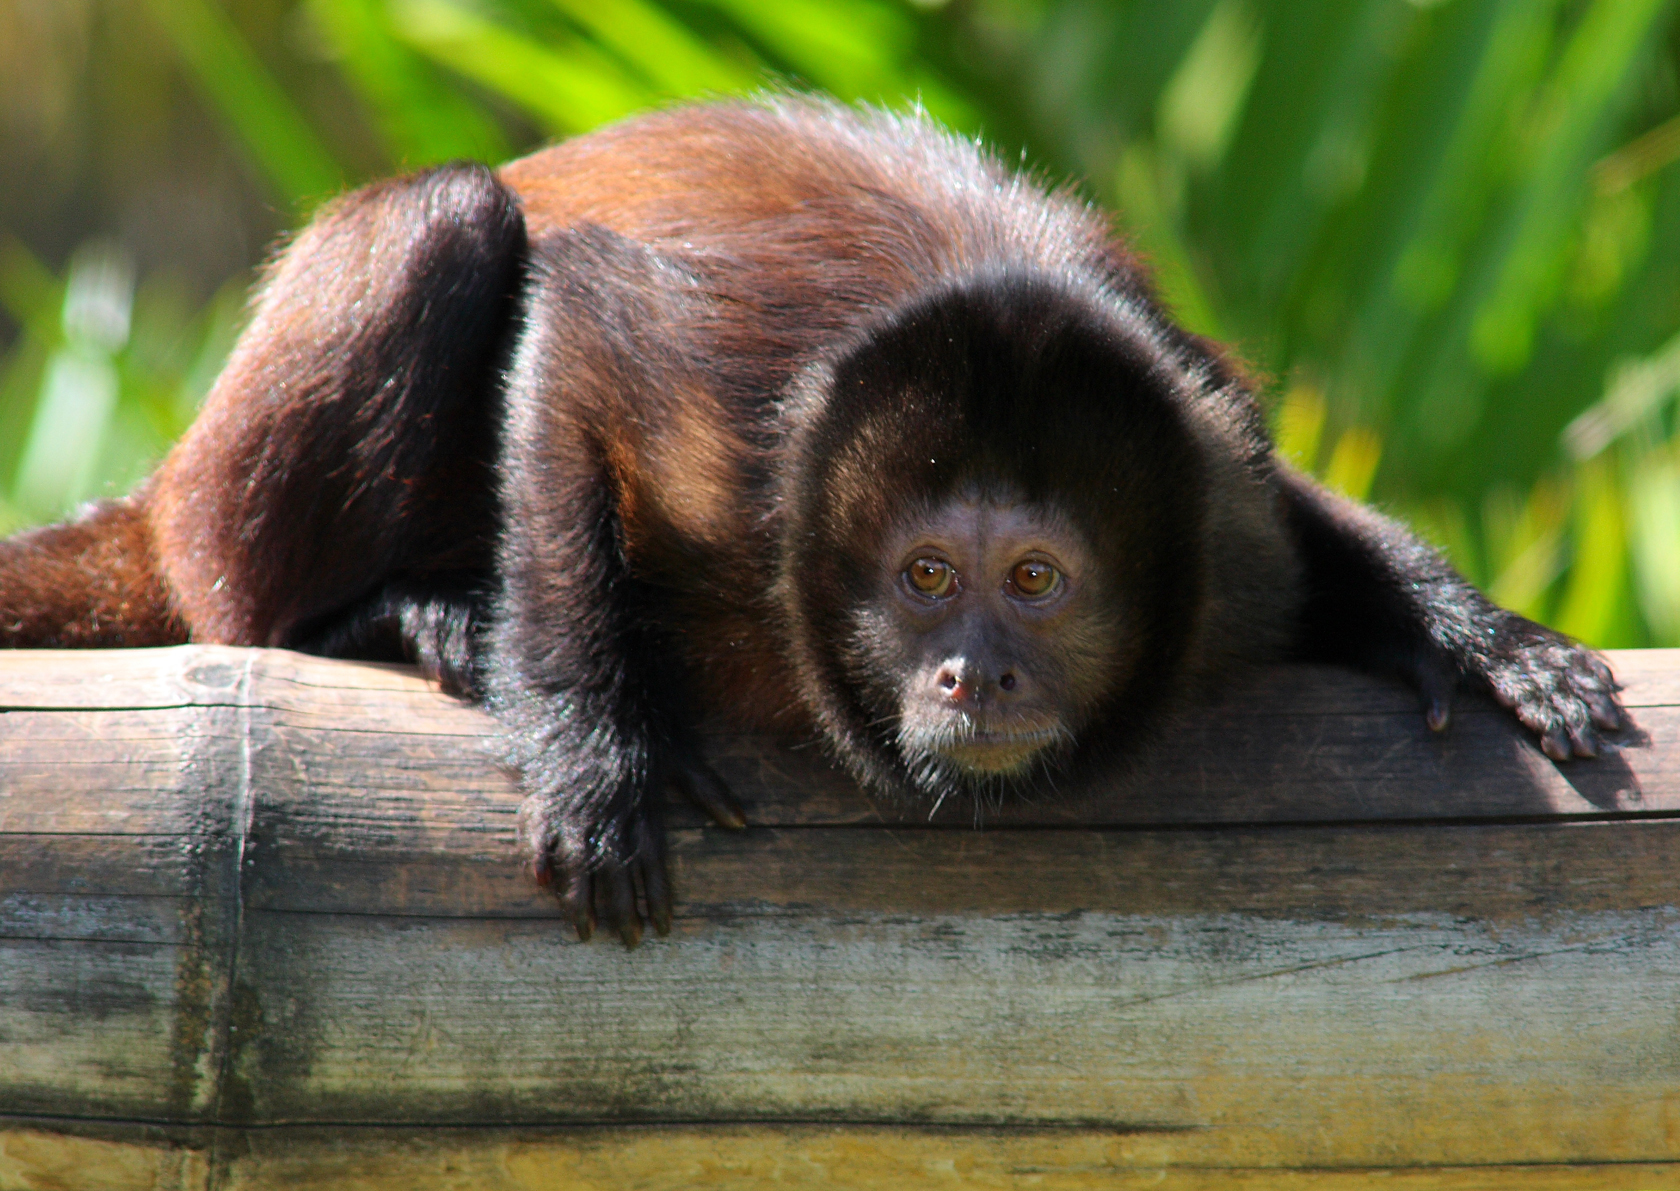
(992, 749)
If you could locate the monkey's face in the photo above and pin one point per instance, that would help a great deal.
(990, 623)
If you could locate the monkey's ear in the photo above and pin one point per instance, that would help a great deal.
(353, 413)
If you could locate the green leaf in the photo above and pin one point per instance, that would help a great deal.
(1153, 229)
(570, 87)
(420, 117)
(1204, 99)
(1654, 500)
(854, 48)
(280, 141)
(28, 290)
(1597, 581)
(664, 50)
(1568, 132)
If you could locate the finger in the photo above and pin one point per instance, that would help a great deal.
(706, 790)
(1605, 713)
(1555, 743)
(1437, 684)
(1582, 740)
(657, 889)
(620, 897)
(542, 867)
(1601, 673)
(650, 865)
(577, 902)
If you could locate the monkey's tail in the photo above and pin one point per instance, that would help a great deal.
(86, 584)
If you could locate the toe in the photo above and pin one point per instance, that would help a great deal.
(577, 902)
(620, 896)
(1605, 713)
(657, 890)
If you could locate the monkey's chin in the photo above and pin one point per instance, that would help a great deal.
(996, 753)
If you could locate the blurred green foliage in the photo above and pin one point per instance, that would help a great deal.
(1447, 232)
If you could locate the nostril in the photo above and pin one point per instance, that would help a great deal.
(948, 679)
(1007, 682)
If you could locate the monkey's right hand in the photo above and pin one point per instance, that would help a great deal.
(597, 864)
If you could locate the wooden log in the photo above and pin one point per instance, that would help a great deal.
(261, 925)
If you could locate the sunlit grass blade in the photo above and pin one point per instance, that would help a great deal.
(1353, 462)
(854, 48)
(1633, 393)
(20, 388)
(79, 385)
(568, 87)
(1638, 159)
(667, 53)
(1525, 549)
(1567, 134)
(281, 142)
(1201, 103)
(1654, 501)
(1447, 122)
(421, 119)
(1302, 144)
(1298, 425)
(1596, 585)
(1152, 227)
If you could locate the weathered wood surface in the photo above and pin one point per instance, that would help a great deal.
(261, 925)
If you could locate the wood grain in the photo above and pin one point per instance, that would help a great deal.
(261, 925)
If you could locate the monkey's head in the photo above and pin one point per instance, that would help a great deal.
(991, 563)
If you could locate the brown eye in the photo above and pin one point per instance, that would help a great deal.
(1033, 578)
(931, 576)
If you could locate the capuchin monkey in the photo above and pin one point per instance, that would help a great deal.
(815, 419)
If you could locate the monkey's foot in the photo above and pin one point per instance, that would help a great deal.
(1560, 690)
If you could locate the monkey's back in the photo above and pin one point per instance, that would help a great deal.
(804, 218)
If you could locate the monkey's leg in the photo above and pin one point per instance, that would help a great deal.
(1378, 598)
(436, 622)
(349, 443)
(576, 668)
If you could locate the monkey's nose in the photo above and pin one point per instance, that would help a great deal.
(963, 684)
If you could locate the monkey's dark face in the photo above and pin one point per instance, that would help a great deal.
(989, 624)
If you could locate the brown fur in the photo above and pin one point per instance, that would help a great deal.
(626, 432)
(91, 583)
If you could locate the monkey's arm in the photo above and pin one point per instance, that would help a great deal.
(1378, 598)
(577, 669)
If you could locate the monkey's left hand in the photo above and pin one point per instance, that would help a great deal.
(1379, 598)
(1558, 688)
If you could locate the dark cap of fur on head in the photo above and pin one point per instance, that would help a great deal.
(1010, 383)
